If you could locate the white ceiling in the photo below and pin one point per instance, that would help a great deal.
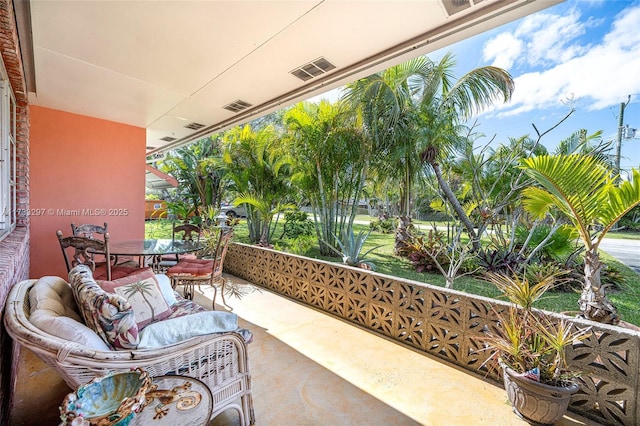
(164, 64)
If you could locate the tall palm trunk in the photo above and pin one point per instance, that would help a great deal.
(429, 156)
(593, 301)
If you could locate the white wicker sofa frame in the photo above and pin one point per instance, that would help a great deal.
(219, 360)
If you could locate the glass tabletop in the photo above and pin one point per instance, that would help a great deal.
(153, 247)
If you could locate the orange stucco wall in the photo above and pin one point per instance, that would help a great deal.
(83, 170)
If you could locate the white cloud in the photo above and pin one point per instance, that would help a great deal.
(548, 37)
(502, 50)
(625, 30)
(599, 76)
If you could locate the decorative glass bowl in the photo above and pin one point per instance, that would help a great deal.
(111, 400)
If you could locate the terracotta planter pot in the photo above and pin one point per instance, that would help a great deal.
(537, 402)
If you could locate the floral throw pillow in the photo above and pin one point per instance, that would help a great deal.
(143, 292)
(108, 314)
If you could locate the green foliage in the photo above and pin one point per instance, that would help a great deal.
(519, 290)
(612, 277)
(209, 240)
(582, 189)
(199, 171)
(417, 250)
(538, 271)
(259, 172)
(499, 260)
(386, 226)
(297, 224)
(330, 158)
(300, 245)
(631, 221)
(559, 247)
(180, 209)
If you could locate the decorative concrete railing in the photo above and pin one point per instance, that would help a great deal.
(443, 323)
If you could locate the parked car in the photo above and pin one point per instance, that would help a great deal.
(233, 211)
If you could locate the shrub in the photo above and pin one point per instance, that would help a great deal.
(419, 247)
(386, 226)
(560, 245)
(297, 224)
(538, 272)
(499, 260)
(298, 245)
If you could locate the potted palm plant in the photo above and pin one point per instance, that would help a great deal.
(530, 347)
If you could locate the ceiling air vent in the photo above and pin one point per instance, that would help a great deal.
(194, 126)
(313, 69)
(455, 6)
(237, 106)
(168, 139)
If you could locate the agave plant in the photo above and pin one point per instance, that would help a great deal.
(351, 247)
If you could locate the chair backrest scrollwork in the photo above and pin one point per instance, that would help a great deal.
(88, 230)
(84, 251)
(188, 231)
(221, 251)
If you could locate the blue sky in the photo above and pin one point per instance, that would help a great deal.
(583, 54)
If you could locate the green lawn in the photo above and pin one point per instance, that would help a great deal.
(627, 300)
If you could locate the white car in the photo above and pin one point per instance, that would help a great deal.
(233, 211)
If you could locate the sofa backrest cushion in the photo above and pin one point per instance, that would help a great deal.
(142, 291)
(53, 310)
(108, 314)
(54, 294)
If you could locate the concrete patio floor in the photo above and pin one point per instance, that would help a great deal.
(309, 368)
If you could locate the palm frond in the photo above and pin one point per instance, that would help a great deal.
(539, 202)
(579, 184)
(621, 200)
(478, 89)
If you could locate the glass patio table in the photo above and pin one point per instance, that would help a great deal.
(153, 249)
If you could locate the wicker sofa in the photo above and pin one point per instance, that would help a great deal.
(217, 359)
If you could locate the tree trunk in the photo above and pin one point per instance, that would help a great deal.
(593, 302)
(457, 207)
(449, 281)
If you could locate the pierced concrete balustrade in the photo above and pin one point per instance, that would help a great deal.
(444, 323)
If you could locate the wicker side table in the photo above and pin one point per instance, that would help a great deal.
(176, 400)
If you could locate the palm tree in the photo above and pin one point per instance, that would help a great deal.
(264, 209)
(583, 189)
(259, 171)
(412, 113)
(387, 103)
(330, 155)
(199, 171)
(444, 103)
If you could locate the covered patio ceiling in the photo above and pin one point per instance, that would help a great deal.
(186, 69)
